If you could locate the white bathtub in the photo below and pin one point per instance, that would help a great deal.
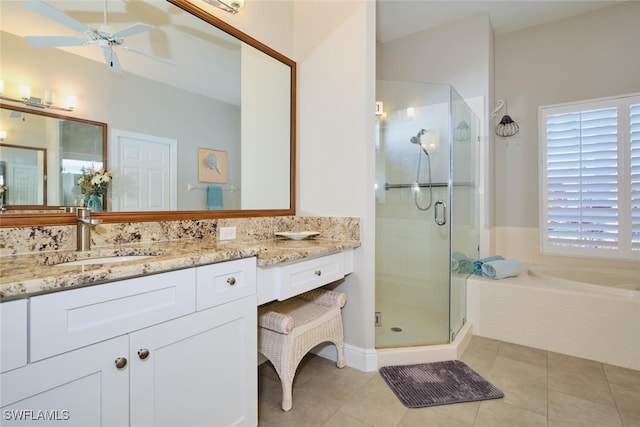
(615, 282)
(570, 310)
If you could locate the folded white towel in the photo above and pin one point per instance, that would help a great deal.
(500, 269)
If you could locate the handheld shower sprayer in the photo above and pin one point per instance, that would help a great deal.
(417, 140)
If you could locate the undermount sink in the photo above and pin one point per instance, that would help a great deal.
(105, 260)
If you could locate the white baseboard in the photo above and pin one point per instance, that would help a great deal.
(358, 358)
(369, 360)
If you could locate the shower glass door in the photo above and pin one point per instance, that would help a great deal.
(465, 131)
(413, 159)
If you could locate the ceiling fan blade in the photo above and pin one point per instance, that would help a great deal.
(111, 59)
(132, 30)
(148, 55)
(56, 41)
(54, 14)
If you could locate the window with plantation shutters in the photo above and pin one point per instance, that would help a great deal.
(634, 136)
(590, 178)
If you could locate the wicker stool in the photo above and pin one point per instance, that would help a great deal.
(289, 329)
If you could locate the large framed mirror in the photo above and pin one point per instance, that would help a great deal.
(199, 121)
(74, 144)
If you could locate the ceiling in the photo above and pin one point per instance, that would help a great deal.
(398, 18)
(199, 52)
(210, 57)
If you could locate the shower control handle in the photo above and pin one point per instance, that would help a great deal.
(440, 220)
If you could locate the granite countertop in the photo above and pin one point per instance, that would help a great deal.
(23, 276)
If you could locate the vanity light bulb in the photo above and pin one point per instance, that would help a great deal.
(25, 91)
(49, 97)
(72, 102)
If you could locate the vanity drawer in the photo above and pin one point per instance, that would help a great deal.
(66, 320)
(224, 282)
(286, 281)
(13, 333)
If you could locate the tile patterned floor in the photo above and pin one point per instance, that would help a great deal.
(541, 389)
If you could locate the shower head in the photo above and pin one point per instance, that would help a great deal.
(416, 140)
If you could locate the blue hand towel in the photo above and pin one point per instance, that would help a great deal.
(214, 197)
(477, 264)
(501, 268)
(463, 262)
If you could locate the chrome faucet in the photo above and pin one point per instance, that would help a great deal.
(83, 231)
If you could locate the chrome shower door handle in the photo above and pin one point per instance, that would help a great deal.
(440, 220)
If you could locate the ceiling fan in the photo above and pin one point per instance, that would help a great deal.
(103, 36)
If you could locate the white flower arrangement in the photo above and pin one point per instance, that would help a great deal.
(95, 182)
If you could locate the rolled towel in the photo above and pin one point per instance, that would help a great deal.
(477, 264)
(501, 268)
(464, 263)
(455, 265)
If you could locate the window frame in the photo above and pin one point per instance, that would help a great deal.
(624, 250)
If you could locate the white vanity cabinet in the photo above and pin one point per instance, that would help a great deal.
(138, 352)
(13, 332)
(199, 370)
(282, 281)
(80, 388)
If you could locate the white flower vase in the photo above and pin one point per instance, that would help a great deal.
(93, 202)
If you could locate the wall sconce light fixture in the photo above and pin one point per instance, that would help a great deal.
(232, 6)
(507, 127)
(48, 102)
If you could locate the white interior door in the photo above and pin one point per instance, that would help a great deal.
(24, 185)
(145, 172)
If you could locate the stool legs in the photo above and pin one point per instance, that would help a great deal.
(286, 375)
(290, 329)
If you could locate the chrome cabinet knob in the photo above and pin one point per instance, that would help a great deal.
(121, 362)
(143, 353)
(231, 281)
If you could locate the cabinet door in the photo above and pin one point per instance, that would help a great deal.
(80, 388)
(199, 370)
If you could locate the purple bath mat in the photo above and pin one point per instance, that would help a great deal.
(438, 383)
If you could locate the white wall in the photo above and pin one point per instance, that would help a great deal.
(333, 44)
(335, 50)
(266, 134)
(593, 55)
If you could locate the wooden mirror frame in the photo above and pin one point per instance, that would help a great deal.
(43, 179)
(57, 217)
(49, 114)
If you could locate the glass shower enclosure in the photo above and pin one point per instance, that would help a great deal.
(426, 212)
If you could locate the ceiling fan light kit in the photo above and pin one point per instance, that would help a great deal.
(103, 36)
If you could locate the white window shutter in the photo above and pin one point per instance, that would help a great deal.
(581, 172)
(634, 136)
